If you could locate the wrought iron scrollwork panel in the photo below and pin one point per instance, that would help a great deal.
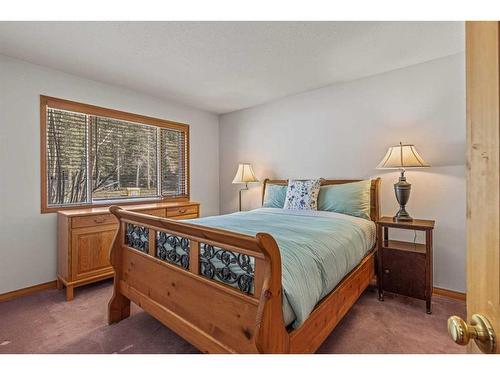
(137, 237)
(173, 249)
(228, 267)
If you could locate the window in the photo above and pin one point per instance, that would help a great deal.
(94, 156)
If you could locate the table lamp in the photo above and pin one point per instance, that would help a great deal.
(244, 175)
(402, 157)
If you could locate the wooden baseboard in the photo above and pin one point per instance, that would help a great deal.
(52, 284)
(26, 291)
(437, 291)
(449, 293)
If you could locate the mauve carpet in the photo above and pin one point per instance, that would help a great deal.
(45, 323)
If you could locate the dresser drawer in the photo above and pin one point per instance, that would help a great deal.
(158, 212)
(93, 220)
(181, 211)
(404, 272)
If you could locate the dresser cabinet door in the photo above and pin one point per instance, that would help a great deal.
(90, 251)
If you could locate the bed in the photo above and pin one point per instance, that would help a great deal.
(263, 281)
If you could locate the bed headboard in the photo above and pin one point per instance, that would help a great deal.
(374, 192)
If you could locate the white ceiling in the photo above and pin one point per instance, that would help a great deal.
(226, 66)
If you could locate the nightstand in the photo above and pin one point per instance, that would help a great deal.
(405, 267)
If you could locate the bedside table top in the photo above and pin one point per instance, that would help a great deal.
(414, 224)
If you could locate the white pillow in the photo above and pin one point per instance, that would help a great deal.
(302, 195)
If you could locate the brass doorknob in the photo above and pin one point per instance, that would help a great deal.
(480, 329)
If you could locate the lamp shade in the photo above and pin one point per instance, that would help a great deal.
(244, 174)
(401, 157)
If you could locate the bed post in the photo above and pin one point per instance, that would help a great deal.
(119, 305)
(264, 190)
(375, 199)
(271, 334)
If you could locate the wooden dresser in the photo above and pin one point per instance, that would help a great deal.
(85, 236)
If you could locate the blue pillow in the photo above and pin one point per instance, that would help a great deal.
(351, 199)
(274, 196)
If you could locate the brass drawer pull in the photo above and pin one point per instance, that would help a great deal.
(387, 271)
(99, 220)
(182, 210)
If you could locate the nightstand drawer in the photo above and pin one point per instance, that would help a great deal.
(403, 272)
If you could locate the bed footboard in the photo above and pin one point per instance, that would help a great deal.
(219, 290)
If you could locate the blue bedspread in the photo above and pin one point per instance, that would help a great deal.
(317, 249)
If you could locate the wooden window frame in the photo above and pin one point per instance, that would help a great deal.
(88, 109)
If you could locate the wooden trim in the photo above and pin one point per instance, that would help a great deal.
(124, 203)
(27, 291)
(459, 296)
(89, 109)
(43, 157)
(105, 112)
(188, 163)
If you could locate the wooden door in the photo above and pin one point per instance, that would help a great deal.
(90, 251)
(483, 190)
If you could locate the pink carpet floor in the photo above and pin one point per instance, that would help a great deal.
(45, 323)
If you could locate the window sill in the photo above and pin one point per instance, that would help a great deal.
(118, 202)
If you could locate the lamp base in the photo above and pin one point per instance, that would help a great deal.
(402, 189)
(402, 215)
(239, 196)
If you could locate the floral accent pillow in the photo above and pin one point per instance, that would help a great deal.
(302, 195)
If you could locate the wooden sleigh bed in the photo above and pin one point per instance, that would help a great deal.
(213, 316)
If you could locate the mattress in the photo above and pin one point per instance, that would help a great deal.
(317, 248)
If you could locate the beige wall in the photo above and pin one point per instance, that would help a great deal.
(338, 131)
(344, 130)
(27, 238)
